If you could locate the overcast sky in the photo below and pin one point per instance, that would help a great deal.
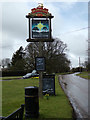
(69, 20)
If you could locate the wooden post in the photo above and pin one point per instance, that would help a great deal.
(29, 29)
(50, 28)
(40, 73)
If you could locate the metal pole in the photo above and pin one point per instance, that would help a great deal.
(79, 61)
(40, 73)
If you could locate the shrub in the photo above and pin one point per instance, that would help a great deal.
(13, 73)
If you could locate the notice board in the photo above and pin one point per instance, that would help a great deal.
(49, 84)
(40, 63)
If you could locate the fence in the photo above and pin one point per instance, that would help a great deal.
(17, 115)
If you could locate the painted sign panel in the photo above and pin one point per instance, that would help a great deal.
(40, 29)
(40, 63)
(49, 84)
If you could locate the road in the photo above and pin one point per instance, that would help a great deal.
(76, 89)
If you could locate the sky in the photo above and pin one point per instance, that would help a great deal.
(70, 25)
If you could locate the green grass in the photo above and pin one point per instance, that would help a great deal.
(14, 95)
(85, 75)
(0, 98)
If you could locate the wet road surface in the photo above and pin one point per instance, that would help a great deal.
(76, 89)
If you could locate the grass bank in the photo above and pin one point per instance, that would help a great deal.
(13, 95)
(85, 75)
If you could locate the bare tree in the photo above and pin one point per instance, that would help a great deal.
(5, 62)
(53, 52)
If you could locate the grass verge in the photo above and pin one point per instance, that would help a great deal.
(13, 95)
(85, 75)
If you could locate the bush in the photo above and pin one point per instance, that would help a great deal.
(78, 69)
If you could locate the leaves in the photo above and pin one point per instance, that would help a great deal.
(18, 61)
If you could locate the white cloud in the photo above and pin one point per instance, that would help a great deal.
(41, 1)
(77, 40)
(77, 45)
(15, 27)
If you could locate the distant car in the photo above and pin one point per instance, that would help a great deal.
(29, 75)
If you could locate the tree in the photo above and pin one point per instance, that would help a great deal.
(5, 62)
(56, 60)
(32, 51)
(86, 64)
(18, 61)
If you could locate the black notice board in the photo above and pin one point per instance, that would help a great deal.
(40, 63)
(49, 84)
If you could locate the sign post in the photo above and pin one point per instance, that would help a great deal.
(40, 72)
(40, 31)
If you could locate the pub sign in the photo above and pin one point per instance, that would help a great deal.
(40, 25)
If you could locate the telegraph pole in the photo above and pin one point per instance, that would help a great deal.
(79, 64)
(79, 61)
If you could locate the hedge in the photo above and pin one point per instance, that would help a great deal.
(12, 73)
